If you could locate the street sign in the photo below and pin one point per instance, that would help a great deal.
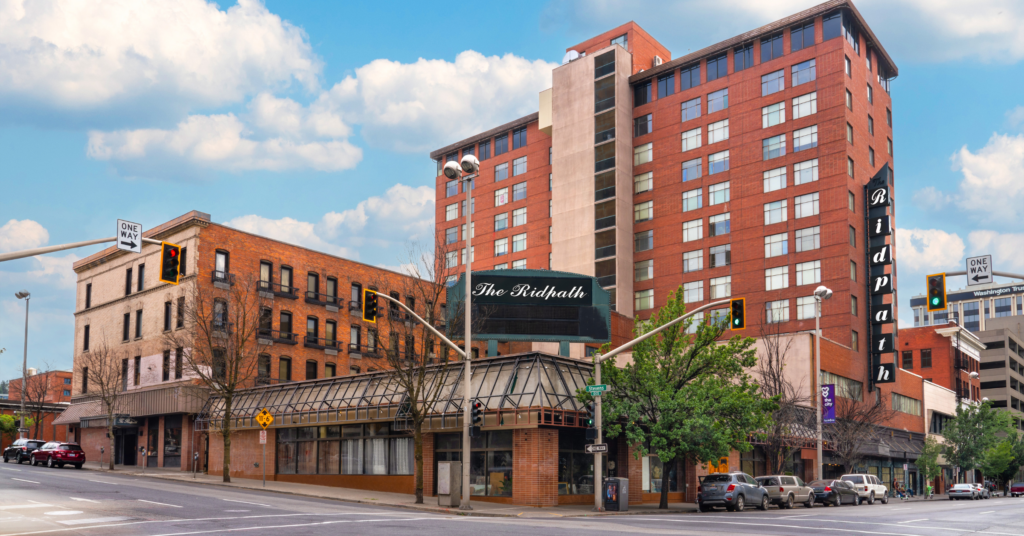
(596, 448)
(596, 390)
(264, 418)
(905, 467)
(979, 270)
(263, 437)
(129, 236)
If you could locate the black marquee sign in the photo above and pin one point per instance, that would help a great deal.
(878, 222)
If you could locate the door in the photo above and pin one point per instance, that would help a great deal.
(129, 447)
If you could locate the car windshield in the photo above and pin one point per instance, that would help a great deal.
(854, 479)
(71, 447)
(34, 444)
(712, 479)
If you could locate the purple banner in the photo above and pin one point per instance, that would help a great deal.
(828, 403)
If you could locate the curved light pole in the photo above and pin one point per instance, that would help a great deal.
(820, 293)
(22, 430)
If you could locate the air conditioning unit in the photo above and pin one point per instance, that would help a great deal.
(657, 61)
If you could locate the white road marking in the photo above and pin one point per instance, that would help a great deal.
(16, 506)
(246, 502)
(895, 509)
(696, 519)
(9, 469)
(93, 520)
(912, 521)
(23, 480)
(804, 528)
(989, 512)
(63, 513)
(80, 499)
(102, 482)
(320, 523)
(236, 510)
(161, 504)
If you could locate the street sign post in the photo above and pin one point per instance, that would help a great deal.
(265, 419)
(596, 448)
(596, 390)
(979, 270)
(263, 437)
(129, 236)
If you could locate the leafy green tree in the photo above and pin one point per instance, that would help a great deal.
(1016, 445)
(928, 461)
(8, 429)
(684, 396)
(996, 459)
(974, 430)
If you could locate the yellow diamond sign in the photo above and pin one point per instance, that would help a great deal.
(264, 418)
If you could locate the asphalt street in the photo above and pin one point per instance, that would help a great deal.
(59, 502)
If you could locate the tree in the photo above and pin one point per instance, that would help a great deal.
(975, 429)
(1016, 444)
(997, 459)
(687, 396)
(220, 346)
(105, 371)
(792, 412)
(9, 428)
(4, 383)
(928, 461)
(36, 390)
(855, 426)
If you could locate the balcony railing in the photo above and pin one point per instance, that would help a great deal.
(286, 337)
(221, 327)
(607, 251)
(603, 223)
(312, 341)
(604, 193)
(602, 165)
(362, 349)
(317, 298)
(606, 281)
(223, 277)
(279, 290)
(604, 104)
(604, 135)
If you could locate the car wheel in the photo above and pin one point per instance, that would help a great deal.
(78, 466)
(35, 462)
(703, 508)
(50, 463)
(837, 501)
(5, 459)
(789, 503)
(885, 499)
(810, 501)
(764, 502)
(871, 498)
(739, 503)
(857, 500)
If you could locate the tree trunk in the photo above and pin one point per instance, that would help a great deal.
(226, 432)
(417, 438)
(665, 482)
(110, 432)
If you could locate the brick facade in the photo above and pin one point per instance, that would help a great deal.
(942, 370)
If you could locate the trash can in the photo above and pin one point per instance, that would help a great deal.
(616, 494)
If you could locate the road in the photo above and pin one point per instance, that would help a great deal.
(69, 502)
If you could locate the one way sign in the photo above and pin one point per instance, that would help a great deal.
(129, 236)
(979, 270)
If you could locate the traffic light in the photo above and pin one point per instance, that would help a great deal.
(590, 421)
(937, 292)
(370, 305)
(738, 314)
(476, 418)
(170, 261)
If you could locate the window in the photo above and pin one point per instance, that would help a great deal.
(805, 307)
(643, 270)
(871, 94)
(85, 380)
(773, 147)
(721, 287)
(905, 404)
(808, 273)
(519, 265)
(167, 316)
(774, 179)
(693, 261)
(691, 109)
(719, 225)
(501, 172)
(743, 57)
(485, 150)
(604, 157)
(137, 370)
(519, 243)
(776, 278)
(451, 188)
(718, 131)
(643, 241)
(805, 172)
(803, 73)
(642, 125)
(643, 154)
(501, 247)
(718, 100)
(849, 166)
(806, 205)
(808, 239)
(849, 133)
(849, 99)
(128, 281)
(142, 278)
(286, 325)
(771, 47)
(853, 270)
(88, 295)
(693, 291)
(888, 117)
(805, 138)
(166, 372)
(689, 77)
(718, 162)
(777, 311)
(604, 215)
(775, 212)
(773, 115)
(501, 197)
(801, 37)
(926, 358)
(691, 140)
(871, 157)
(666, 85)
(776, 245)
(501, 145)
(908, 360)
(85, 339)
(717, 67)
(138, 324)
(451, 235)
(643, 299)
(451, 212)
(692, 169)
(888, 146)
(719, 256)
(643, 211)
(451, 259)
(180, 321)
(718, 193)
(642, 94)
(805, 105)
(773, 82)
(312, 286)
(849, 67)
(845, 387)
(871, 125)
(853, 305)
(519, 191)
(519, 217)
(519, 166)
(691, 200)
(518, 138)
(643, 182)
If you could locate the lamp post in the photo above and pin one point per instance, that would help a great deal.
(22, 430)
(454, 171)
(820, 293)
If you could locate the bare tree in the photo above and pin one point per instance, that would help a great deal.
(220, 344)
(104, 370)
(792, 413)
(855, 427)
(36, 390)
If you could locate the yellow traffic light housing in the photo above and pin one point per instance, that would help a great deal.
(170, 263)
(937, 292)
(370, 306)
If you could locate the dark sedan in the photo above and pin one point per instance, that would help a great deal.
(834, 492)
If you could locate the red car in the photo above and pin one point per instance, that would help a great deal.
(56, 454)
(1017, 488)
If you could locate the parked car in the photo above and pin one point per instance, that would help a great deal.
(786, 490)
(1017, 488)
(983, 492)
(868, 487)
(731, 490)
(21, 450)
(962, 491)
(834, 492)
(57, 453)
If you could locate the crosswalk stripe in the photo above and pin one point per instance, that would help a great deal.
(93, 520)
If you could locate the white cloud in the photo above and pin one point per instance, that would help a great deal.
(419, 106)
(16, 235)
(49, 270)
(993, 185)
(931, 198)
(927, 250)
(288, 230)
(74, 54)
(1007, 249)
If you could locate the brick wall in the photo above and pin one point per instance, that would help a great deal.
(535, 467)
(245, 452)
(942, 371)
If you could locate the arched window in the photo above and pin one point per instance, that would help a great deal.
(284, 369)
(311, 369)
(263, 369)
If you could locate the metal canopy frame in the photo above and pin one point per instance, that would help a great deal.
(518, 390)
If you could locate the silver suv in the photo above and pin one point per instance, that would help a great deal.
(786, 490)
(869, 488)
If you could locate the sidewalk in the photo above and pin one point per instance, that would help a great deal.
(395, 500)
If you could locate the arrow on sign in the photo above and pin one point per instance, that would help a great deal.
(978, 278)
(130, 244)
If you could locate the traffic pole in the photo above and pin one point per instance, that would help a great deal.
(598, 506)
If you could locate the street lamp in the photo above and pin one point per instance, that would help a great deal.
(820, 293)
(24, 295)
(454, 171)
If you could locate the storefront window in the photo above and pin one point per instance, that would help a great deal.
(172, 441)
(490, 468)
(575, 466)
(370, 449)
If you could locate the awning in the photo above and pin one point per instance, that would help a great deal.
(77, 410)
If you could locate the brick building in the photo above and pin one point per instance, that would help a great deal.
(932, 352)
(45, 416)
(52, 387)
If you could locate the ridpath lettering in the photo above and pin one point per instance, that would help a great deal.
(524, 290)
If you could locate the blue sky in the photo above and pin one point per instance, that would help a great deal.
(311, 121)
